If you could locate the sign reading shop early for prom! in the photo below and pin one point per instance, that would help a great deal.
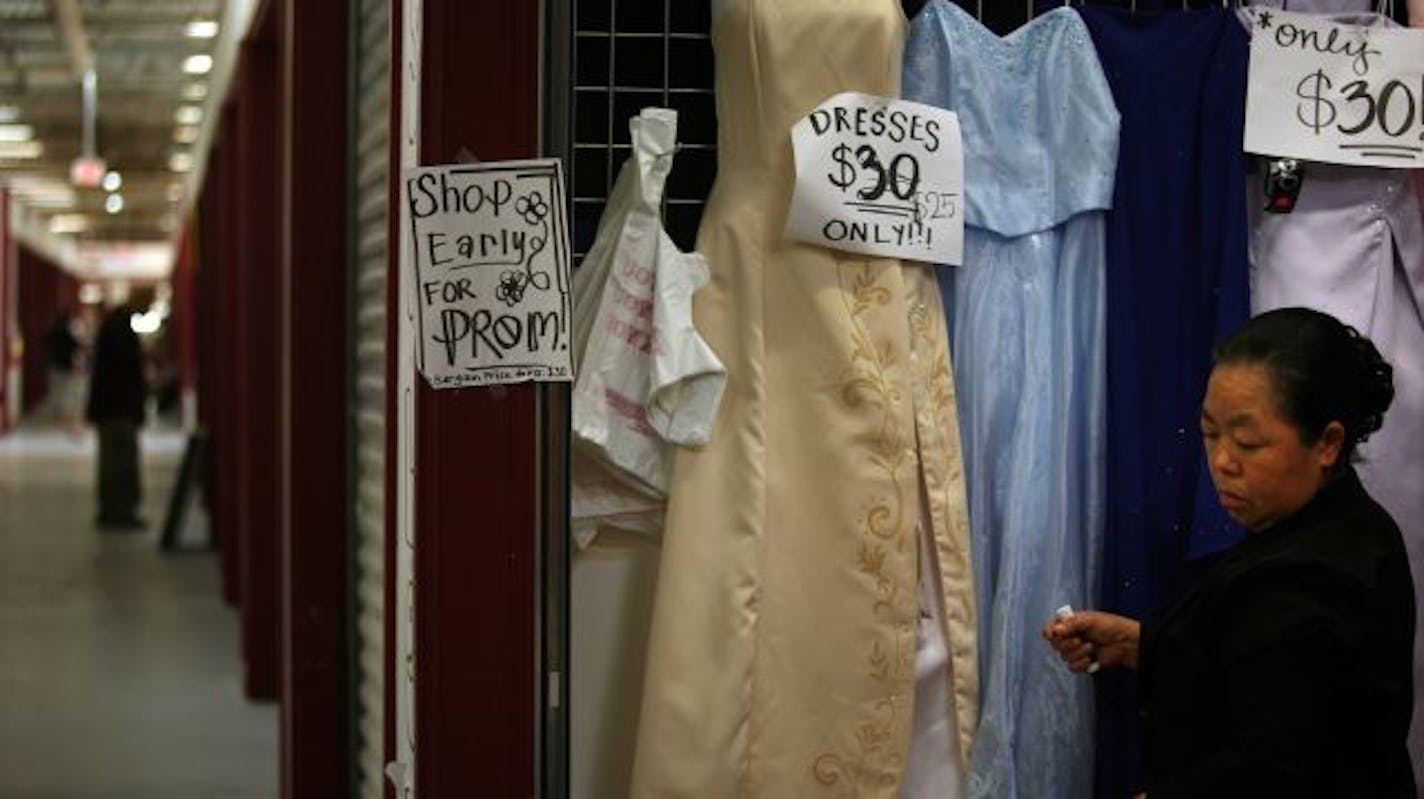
(1344, 94)
(492, 272)
(879, 177)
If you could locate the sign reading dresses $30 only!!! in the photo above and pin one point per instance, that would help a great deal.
(879, 177)
(492, 272)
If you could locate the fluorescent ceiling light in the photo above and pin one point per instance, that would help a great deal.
(112, 181)
(32, 187)
(16, 133)
(68, 223)
(195, 91)
(9, 113)
(20, 149)
(199, 64)
(180, 162)
(188, 115)
(114, 203)
(201, 29)
(48, 199)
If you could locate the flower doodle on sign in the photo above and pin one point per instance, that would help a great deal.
(535, 212)
(511, 287)
(532, 207)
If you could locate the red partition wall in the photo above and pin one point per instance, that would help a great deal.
(475, 450)
(181, 321)
(7, 298)
(258, 357)
(44, 290)
(217, 381)
(314, 167)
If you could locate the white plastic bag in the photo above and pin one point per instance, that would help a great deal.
(646, 380)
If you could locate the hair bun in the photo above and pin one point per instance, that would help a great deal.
(1375, 380)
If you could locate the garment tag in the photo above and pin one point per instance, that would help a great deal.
(879, 176)
(1324, 91)
(1284, 177)
(492, 272)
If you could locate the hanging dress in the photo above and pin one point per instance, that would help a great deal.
(1026, 307)
(1177, 282)
(786, 622)
(1354, 248)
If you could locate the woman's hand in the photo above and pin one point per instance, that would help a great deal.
(1091, 636)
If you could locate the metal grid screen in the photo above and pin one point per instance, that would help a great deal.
(628, 55)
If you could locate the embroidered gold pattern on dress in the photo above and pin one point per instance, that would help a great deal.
(890, 656)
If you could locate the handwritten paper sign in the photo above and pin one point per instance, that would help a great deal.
(1344, 94)
(492, 272)
(879, 177)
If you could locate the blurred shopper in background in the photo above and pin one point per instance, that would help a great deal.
(63, 352)
(117, 396)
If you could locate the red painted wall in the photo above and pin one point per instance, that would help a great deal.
(315, 725)
(7, 282)
(217, 380)
(184, 296)
(256, 245)
(475, 468)
(44, 290)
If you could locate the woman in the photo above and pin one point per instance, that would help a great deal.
(1287, 670)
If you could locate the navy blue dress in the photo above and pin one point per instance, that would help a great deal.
(1177, 281)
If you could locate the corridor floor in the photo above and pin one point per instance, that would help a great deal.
(120, 673)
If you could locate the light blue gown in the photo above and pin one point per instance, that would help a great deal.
(1026, 325)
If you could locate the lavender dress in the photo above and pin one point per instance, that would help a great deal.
(1354, 248)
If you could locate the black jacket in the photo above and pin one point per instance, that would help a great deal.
(1287, 671)
(116, 388)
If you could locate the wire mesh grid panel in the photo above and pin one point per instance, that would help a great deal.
(629, 55)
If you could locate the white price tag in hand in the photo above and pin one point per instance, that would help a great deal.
(1064, 613)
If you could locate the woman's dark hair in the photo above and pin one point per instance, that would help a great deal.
(1322, 370)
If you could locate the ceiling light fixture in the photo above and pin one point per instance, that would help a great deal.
(188, 115)
(195, 91)
(52, 199)
(68, 223)
(14, 133)
(114, 203)
(9, 113)
(20, 149)
(199, 64)
(201, 29)
(180, 162)
(112, 180)
(185, 134)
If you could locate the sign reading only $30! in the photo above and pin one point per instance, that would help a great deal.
(1324, 91)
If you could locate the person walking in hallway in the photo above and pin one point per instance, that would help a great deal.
(117, 393)
(62, 351)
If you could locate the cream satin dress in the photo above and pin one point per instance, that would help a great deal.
(787, 617)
